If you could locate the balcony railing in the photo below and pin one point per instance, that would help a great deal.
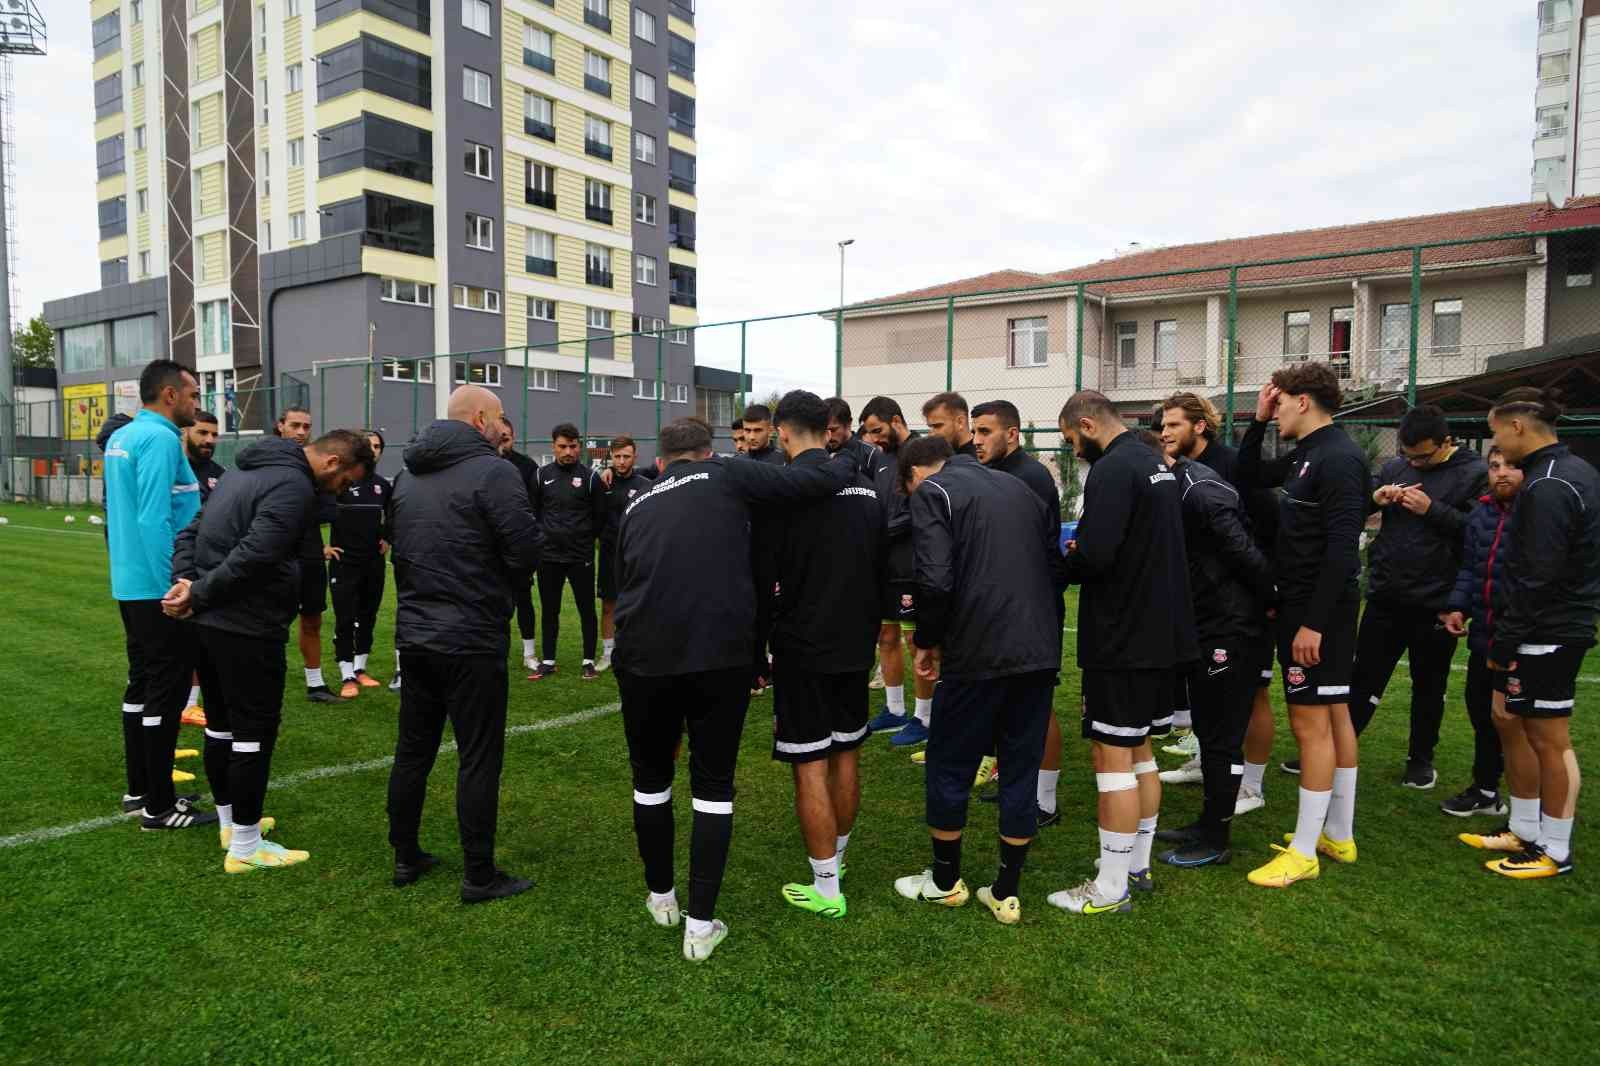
(597, 20)
(597, 85)
(1546, 132)
(681, 184)
(680, 123)
(683, 9)
(534, 128)
(595, 213)
(596, 149)
(682, 299)
(534, 265)
(545, 198)
(539, 61)
(679, 239)
(595, 276)
(681, 69)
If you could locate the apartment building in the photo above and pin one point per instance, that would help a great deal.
(1166, 327)
(309, 194)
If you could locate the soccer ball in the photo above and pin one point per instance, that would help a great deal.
(94, 520)
(69, 519)
(4, 521)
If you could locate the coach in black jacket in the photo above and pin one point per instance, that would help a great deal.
(238, 572)
(570, 503)
(462, 528)
(685, 614)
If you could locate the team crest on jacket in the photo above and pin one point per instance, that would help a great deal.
(577, 482)
(211, 482)
(906, 601)
(1513, 686)
(1295, 676)
(377, 490)
(632, 493)
(1219, 656)
(1304, 467)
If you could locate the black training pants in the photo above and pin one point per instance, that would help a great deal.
(1488, 760)
(552, 576)
(160, 662)
(655, 713)
(470, 691)
(1222, 693)
(1388, 631)
(1009, 714)
(357, 589)
(522, 591)
(242, 678)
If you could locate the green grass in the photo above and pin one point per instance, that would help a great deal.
(130, 947)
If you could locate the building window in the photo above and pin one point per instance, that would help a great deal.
(683, 282)
(135, 12)
(644, 269)
(108, 156)
(543, 380)
(1297, 334)
(480, 161)
(216, 333)
(108, 95)
(597, 201)
(1030, 338)
(84, 348)
(477, 87)
(400, 291)
(114, 272)
(644, 86)
(597, 13)
(538, 115)
(644, 147)
(480, 232)
(1446, 327)
(297, 225)
(597, 137)
(541, 310)
(291, 9)
(602, 385)
(644, 25)
(266, 173)
(644, 208)
(472, 298)
(266, 236)
(476, 16)
(1555, 68)
(1341, 326)
(596, 73)
(138, 138)
(297, 152)
(1127, 343)
(538, 48)
(113, 217)
(293, 78)
(1580, 268)
(597, 265)
(1166, 344)
(599, 318)
(261, 29)
(1550, 121)
(418, 370)
(261, 95)
(141, 201)
(680, 56)
(644, 388)
(144, 264)
(541, 253)
(680, 112)
(539, 185)
(478, 374)
(680, 336)
(644, 324)
(680, 170)
(106, 31)
(138, 75)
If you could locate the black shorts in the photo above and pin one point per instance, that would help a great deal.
(1544, 682)
(1265, 681)
(1329, 681)
(900, 604)
(313, 586)
(1180, 690)
(816, 715)
(606, 579)
(1121, 707)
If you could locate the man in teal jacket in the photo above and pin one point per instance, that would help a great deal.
(151, 494)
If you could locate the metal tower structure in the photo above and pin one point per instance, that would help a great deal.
(22, 32)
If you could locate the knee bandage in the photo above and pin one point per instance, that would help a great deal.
(1147, 767)
(1118, 782)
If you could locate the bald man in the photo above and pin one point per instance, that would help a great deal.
(463, 530)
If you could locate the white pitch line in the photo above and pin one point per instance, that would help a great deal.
(1458, 668)
(41, 529)
(320, 773)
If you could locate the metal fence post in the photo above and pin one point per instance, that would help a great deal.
(1232, 345)
(838, 353)
(660, 388)
(1077, 376)
(322, 397)
(366, 392)
(744, 393)
(950, 344)
(416, 374)
(1416, 325)
(525, 397)
(586, 386)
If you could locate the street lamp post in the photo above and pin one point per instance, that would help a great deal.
(838, 340)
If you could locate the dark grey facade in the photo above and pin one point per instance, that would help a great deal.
(471, 123)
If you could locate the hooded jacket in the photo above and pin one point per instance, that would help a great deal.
(151, 494)
(242, 551)
(1229, 578)
(1414, 560)
(462, 527)
(570, 502)
(1484, 552)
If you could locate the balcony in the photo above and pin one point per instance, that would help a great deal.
(596, 213)
(538, 61)
(597, 85)
(597, 149)
(681, 123)
(597, 20)
(679, 239)
(681, 69)
(534, 265)
(681, 184)
(595, 276)
(682, 299)
(1546, 132)
(683, 9)
(545, 198)
(543, 130)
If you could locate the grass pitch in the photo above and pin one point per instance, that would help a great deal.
(130, 947)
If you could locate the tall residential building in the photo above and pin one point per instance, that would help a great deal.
(1566, 138)
(287, 187)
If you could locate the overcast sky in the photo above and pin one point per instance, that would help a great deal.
(951, 138)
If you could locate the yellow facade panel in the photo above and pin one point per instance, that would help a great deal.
(141, 168)
(116, 185)
(108, 65)
(682, 256)
(352, 183)
(136, 103)
(293, 48)
(213, 257)
(107, 126)
(202, 6)
(102, 8)
(141, 232)
(346, 29)
(685, 200)
(115, 248)
(680, 142)
(680, 27)
(351, 105)
(296, 198)
(136, 40)
(680, 85)
(682, 316)
(211, 194)
(210, 131)
(294, 115)
(206, 48)
(391, 264)
(516, 328)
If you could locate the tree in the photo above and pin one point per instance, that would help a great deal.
(34, 345)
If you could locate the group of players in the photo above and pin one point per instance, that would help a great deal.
(800, 562)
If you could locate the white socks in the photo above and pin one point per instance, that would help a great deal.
(610, 644)
(347, 671)
(528, 649)
(361, 663)
(839, 844)
(1183, 719)
(1525, 817)
(1252, 782)
(1341, 824)
(194, 695)
(313, 680)
(1141, 844)
(1309, 825)
(698, 927)
(1047, 790)
(924, 711)
(225, 816)
(825, 876)
(246, 839)
(397, 658)
(1555, 837)
(1116, 855)
(669, 896)
(896, 695)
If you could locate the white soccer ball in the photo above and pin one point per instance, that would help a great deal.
(68, 519)
(4, 521)
(95, 520)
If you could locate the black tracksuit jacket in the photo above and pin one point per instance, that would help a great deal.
(1229, 578)
(686, 599)
(1415, 558)
(1032, 473)
(208, 472)
(772, 455)
(1551, 594)
(570, 504)
(359, 520)
(982, 543)
(242, 550)
(1135, 611)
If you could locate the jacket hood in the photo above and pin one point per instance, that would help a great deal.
(273, 451)
(110, 426)
(443, 444)
(1458, 457)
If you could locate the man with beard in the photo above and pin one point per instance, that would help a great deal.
(842, 438)
(946, 416)
(294, 426)
(356, 573)
(200, 444)
(570, 505)
(623, 483)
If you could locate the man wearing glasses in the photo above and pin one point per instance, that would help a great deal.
(1425, 494)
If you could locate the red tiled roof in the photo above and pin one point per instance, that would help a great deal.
(1210, 259)
(1579, 211)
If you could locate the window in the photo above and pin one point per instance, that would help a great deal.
(681, 336)
(597, 265)
(541, 253)
(400, 291)
(138, 138)
(266, 236)
(644, 86)
(1580, 268)
(599, 318)
(1554, 15)
(644, 324)
(541, 309)
(108, 155)
(261, 29)
(1166, 344)
(293, 78)
(472, 298)
(136, 12)
(644, 209)
(1447, 327)
(1029, 342)
(480, 232)
(683, 281)
(113, 217)
(478, 374)
(680, 170)
(596, 73)
(680, 394)
(84, 348)
(644, 147)
(266, 173)
(142, 201)
(539, 185)
(261, 94)
(144, 264)
(1555, 68)
(138, 75)
(1341, 324)
(476, 15)
(680, 227)
(383, 222)
(291, 9)
(644, 269)
(1297, 333)
(477, 87)
(107, 34)
(297, 225)
(644, 25)
(418, 370)
(216, 334)
(538, 115)
(542, 380)
(480, 161)
(133, 341)
(644, 388)
(597, 201)
(1127, 343)
(680, 112)
(680, 56)
(597, 137)
(376, 143)
(108, 95)
(297, 152)
(1550, 121)
(538, 48)
(602, 385)
(597, 13)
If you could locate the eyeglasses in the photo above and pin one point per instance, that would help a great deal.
(1422, 459)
